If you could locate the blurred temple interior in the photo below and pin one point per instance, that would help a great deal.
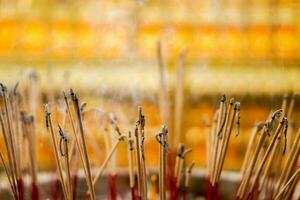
(107, 52)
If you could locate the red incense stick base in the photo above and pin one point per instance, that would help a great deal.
(34, 192)
(20, 185)
(212, 191)
(112, 187)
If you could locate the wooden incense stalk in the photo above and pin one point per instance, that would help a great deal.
(290, 162)
(212, 137)
(49, 127)
(188, 173)
(163, 146)
(107, 159)
(180, 166)
(227, 134)
(289, 116)
(164, 99)
(11, 176)
(143, 160)
(64, 150)
(84, 148)
(179, 98)
(294, 177)
(77, 139)
(10, 135)
(266, 130)
(180, 151)
(266, 155)
(258, 127)
(218, 133)
(222, 141)
(138, 156)
(131, 164)
(32, 155)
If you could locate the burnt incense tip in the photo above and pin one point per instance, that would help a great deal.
(3, 87)
(180, 150)
(82, 106)
(73, 95)
(231, 101)
(15, 89)
(190, 168)
(223, 98)
(237, 106)
(277, 114)
(64, 95)
(284, 121)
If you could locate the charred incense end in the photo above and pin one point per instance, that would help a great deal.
(47, 115)
(237, 107)
(73, 95)
(62, 141)
(286, 125)
(190, 168)
(15, 89)
(223, 98)
(82, 106)
(141, 117)
(231, 101)
(276, 114)
(180, 150)
(3, 88)
(112, 120)
(130, 142)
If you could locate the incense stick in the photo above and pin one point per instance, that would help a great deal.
(49, 127)
(179, 94)
(84, 148)
(163, 146)
(293, 178)
(164, 99)
(103, 166)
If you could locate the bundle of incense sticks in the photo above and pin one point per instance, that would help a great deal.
(19, 133)
(269, 170)
(218, 142)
